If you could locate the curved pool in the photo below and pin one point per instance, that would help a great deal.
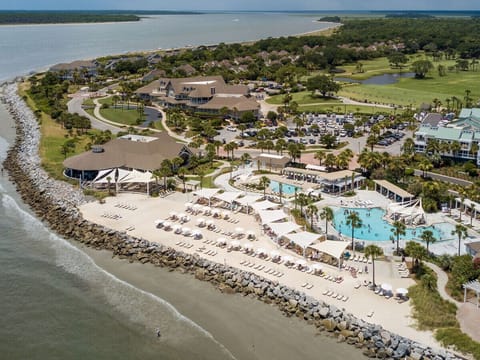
(287, 189)
(376, 228)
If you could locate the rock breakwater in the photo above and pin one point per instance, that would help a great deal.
(56, 203)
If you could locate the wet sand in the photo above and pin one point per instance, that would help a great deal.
(248, 328)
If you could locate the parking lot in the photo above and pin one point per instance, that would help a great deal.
(315, 126)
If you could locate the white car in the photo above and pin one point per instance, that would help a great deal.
(231, 128)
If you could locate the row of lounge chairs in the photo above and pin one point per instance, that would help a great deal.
(307, 285)
(261, 267)
(335, 295)
(208, 252)
(126, 206)
(403, 270)
(358, 258)
(130, 228)
(184, 244)
(111, 216)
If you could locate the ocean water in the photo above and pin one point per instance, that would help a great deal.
(33, 47)
(61, 301)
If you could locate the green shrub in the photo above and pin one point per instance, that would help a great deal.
(461, 342)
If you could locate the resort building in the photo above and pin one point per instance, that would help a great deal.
(208, 95)
(128, 153)
(393, 192)
(336, 182)
(271, 162)
(81, 68)
(462, 135)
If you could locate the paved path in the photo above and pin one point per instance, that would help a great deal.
(75, 107)
(468, 315)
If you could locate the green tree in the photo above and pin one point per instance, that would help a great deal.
(416, 251)
(421, 68)
(320, 156)
(373, 252)
(354, 221)
(182, 172)
(302, 200)
(398, 230)
(327, 215)
(397, 59)
(329, 140)
(428, 238)
(461, 232)
(323, 84)
(264, 182)
(311, 211)
(67, 147)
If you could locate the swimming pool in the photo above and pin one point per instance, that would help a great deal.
(376, 228)
(287, 189)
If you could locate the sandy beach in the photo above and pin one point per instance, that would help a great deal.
(142, 212)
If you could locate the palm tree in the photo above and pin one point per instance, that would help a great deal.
(242, 128)
(461, 232)
(373, 251)
(397, 230)
(181, 174)
(425, 165)
(327, 215)
(320, 156)
(311, 211)
(354, 220)
(330, 161)
(472, 211)
(428, 238)
(245, 158)
(302, 200)
(234, 146)
(264, 183)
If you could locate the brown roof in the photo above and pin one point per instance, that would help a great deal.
(122, 152)
(242, 103)
(475, 246)
(79, 64)
(187, 68)
(148, 89)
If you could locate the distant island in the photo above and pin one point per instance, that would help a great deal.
(64, 17)
(332, 19)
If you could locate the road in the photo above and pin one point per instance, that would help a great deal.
(444, 178)
(75, 107)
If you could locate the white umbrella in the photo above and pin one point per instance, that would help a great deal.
(197, 207)
(177, 229)
(261, 251)
(317, 267)
(216, 211)
(221, 240)
(247, 246)
(173, 214)
(186, 231)
(402, 291)
(287, 258)
(188, 205)
(226, 214)
(197, 234)
(209, 222)
(274, 253)
(167, 224)
(200, 221)
(239, 230)
(182, 215)
(206, 209)
(301, 262)
(386, 287)
(235, 243)
(158, 222)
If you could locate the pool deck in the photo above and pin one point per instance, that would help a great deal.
(443, 247)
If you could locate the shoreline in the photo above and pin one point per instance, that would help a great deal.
(44, 197)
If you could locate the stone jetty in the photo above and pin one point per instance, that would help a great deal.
(56, 204)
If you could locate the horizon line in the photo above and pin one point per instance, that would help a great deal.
(251, 10)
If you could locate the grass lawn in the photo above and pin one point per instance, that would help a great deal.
(302, 98)
(121, 116)
(341, 109)
(408, 90)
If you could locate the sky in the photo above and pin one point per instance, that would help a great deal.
(241, 4)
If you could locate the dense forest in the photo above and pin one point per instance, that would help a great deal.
(57, 17)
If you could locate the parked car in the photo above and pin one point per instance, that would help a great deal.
(311, 141)
(231, 128)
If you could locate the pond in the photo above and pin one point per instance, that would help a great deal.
(384, 79)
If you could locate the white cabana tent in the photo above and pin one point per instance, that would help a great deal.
(282, 228)
(302, 239)
(227, 196)
(248, 200)
(332, 248)
(264, 205)
(102, 176)
(411, 212)
(270, 216)
(206, 193)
